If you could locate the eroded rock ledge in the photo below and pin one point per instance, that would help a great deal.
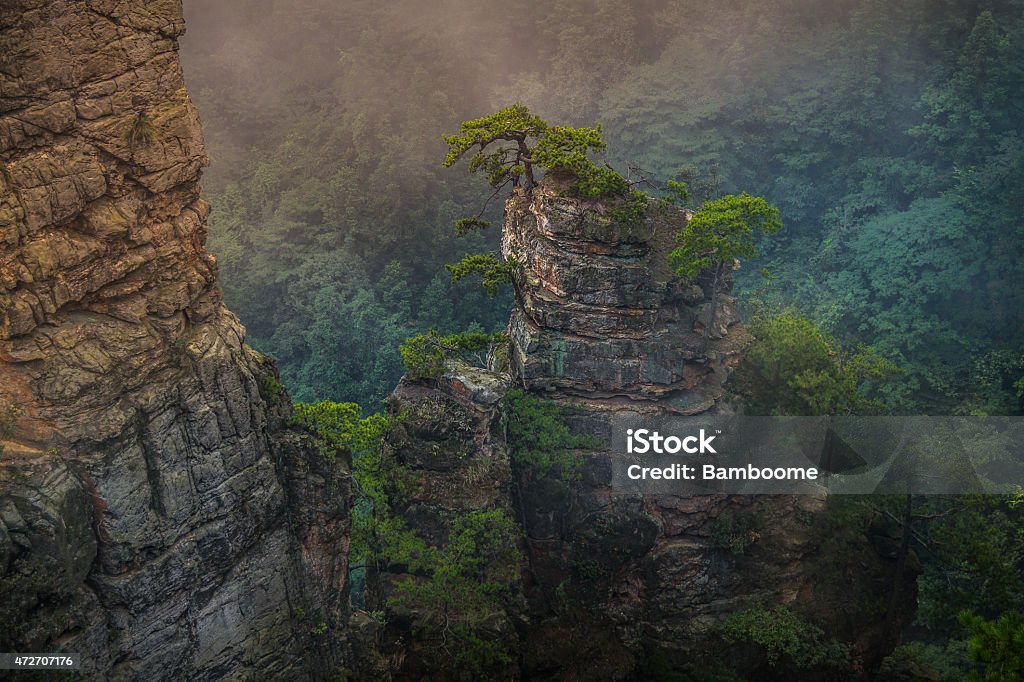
(156, 515)
(599, 313)
(602, 326)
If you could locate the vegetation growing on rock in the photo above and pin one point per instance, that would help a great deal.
(539, 439)
(425, 355)
(521, 144)
(9, 414)
(788, 643)
(794, 368)
(888, 134)
(492, 272)
(722, 230)
(469, 581)
(534, 145)
(452, 591)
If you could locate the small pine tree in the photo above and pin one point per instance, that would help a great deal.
(721, 231)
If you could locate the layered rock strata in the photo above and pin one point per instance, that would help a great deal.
(599, 313)
(449, 441)
(603, 327)
(156, 514)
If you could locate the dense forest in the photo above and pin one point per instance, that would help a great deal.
(887, 133)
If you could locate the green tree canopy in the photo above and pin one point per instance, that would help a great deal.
(504, 163)
(797, 369)
(997, 645)
(721, 230)
(512, 143)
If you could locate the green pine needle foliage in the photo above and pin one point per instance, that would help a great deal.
(539, 439)
(511, 124)
(513, 143)
(492, 272)
(464, 226)
(796, 369)
(471, 579)
(425, 355)
(785, 639)
(721, 230)
(342, 426)
(997, 645)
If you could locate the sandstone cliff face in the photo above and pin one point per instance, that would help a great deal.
(601, 326)
(599, 314)
(156, 515)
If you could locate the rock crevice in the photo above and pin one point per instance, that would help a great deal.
(156, 513)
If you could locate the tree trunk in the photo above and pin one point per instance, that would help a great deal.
(891, 634)
(524, 155)
(711, 313)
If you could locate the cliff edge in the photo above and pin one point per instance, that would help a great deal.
(157, 516)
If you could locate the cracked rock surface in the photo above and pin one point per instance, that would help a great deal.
(603, 327)
(156, 514)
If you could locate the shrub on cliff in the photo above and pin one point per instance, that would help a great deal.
(783, 643)
(466, 584)
(539, 439)
(511, 146)
(493, 272)
(721, 231)
(341, 428)
(425, 355)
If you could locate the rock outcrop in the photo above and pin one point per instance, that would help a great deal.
(599, 313)
(157, 515)
(603, 328)
(449, 439)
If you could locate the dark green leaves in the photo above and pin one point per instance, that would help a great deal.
(424, 355)
(514, 123)
(342, 426)
(539, 438)
(531, 143)
(465, 225)
(796, 369)
(998, 645)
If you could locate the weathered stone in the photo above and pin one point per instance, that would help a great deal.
(156, 515)
(600, 314)
(602, 326)
(448, 439)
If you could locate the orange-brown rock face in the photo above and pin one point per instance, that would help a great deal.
(155, 514)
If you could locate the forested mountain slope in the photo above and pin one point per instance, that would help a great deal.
(888, 134)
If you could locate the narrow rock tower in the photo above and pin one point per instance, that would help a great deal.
(603, 327)
(601, 324)
(599, 314)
